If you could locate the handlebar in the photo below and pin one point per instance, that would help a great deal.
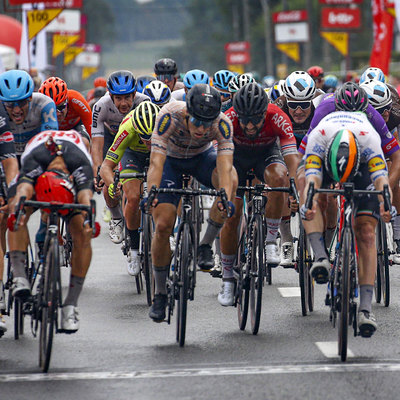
(261, 188)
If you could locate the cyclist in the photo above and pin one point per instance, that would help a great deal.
(238, 81)
(221, 81)
(276, 90)
(317, 73)
(182, 143)
(372, 73)
(158, 92)
(97, 83)
(189, 80)
(330, 85)
(142, 81)
(165, 70)
(267, 81)
(348, 150)
(54, 166)
(131, 147)
(73, 111)
(258, 127)
(108, 113)
(98, 93)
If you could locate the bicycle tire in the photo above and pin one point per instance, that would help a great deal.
(18, 318)
(304, 276)
(345, 257)
(146, 247)
(383, 275)
(257, 273)
(49, 304)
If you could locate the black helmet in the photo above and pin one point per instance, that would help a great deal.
(100, 91)
(350, 97)
(121, 82)
(165, 66)
(203, 102)
(251, 99)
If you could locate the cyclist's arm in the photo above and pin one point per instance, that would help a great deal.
(23, 189)
(292, 162)
(156, 167)
(10, 166)
(81, 106)
(106, 171)
(394, 174)
(224, 169)
(97, 152)
(84, 196)
(48, 117)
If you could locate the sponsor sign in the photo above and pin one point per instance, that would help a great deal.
(340, 18)
(88, 59)
(39, 19)
(62, 42)
(233, 58)
(331, 2)
(292, 32)
(67, 21)
(339, 40)
(290, 16)
(292, 50)
(237, 46)
(50, 4)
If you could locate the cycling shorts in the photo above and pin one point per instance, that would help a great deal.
(133, 161)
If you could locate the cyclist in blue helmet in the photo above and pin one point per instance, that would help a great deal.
(143, 81)
(330, 84)
(221, 81)
(190, 79)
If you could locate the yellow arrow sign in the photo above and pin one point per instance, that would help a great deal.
(61, 42)
(339, 40)
(290, 49)
(39, 19)
(87, 71)
(71, 53)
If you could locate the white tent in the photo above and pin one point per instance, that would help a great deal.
(8, 58)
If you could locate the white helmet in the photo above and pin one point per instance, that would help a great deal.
(372, 73)
(299, 86)
(158, 92)
(379, 94)
(238, 81)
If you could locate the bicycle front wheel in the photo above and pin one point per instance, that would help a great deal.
(49, 302)
(382, 289)
(146, 246)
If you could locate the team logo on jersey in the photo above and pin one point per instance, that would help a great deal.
(313, 162)
(112, 155)
(225, 129)
(119, 140)
(376, 164)
(164, 124)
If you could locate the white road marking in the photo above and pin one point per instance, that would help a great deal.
(330, 349)
(204, 372)
(289, 291)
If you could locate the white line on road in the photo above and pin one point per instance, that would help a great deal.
(289, 291)
(330, 349)
(204, 372)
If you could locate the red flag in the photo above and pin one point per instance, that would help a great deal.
(383, 36)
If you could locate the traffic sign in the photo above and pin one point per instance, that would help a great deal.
(62, 42)
(39, 19)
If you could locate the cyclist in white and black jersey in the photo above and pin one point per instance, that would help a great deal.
(108, 113)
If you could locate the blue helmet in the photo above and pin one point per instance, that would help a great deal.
(121, 82)
(372, 73)
(143, 81)
(331, 81)
(195, 76)
(221, 79)
(15, 85)
(276, 90)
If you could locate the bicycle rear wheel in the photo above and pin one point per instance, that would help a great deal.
(49, 302)
(256, 273)
(18, 318)
(146, 247)
(304, 273)
(382, 289)
(344, 289)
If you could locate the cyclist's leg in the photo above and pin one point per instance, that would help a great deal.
(396, 224)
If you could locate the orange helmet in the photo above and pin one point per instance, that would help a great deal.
(316, 72)
(55, 88)
(100, 81)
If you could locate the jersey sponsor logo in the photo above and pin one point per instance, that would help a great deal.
(363, 133)
(318, 149)
(96, 111)
(80, 104)
(376, 164)
(2, 121)
(314, 162)
(169, 183)
(322, 132)
(49, 116)
(225, 129)
(6, 137)
(231, 115)
(112, 155)
(119, 140)
(283, 124)
(367, 152)
(164, 124)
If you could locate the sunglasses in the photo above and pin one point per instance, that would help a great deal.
(254, 119)
(302, 104)
(61, 107)
(197, 122)
(12, 104)
(224, 94)
(165, 77)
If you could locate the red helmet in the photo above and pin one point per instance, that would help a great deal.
(316, 72)
(55, 88)
(55, 186)
(100, 81)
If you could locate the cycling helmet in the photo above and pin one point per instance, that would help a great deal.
(203, 102)
(372, 73)
(158, 92)
(378, 93)
(221, 79)
(276, 90)
(251, 99)
(268, 81)
(342, 158)
(121, 82)
(55, 88)
(350, 97)
(299, 86)
(195, 76)
(15, 85)
(316, 72)
(100, 82)
(100, 91)
(239, 81)
(165, 66)
(144, 118)
(143, 81)
(331, 81)
(55, 186)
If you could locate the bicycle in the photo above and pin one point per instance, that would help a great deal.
(182, 279)
(251, 259)
(343, 280)
(45, 303)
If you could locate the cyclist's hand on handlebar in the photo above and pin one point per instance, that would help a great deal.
(230, 211)
(144, 204)
(293, 204)
(98, 184)
(389, 215)
(114, 191)
(307, 214)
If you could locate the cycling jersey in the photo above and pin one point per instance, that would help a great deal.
(357, 122)
(7, 148)
(276, 125)
(107, 118)
(36, 158)
(179, 95)
(78, 110)
(41, 117)
(127, 137)
(327, 106)
(172, 137)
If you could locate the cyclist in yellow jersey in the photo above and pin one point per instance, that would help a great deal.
(131, 147)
